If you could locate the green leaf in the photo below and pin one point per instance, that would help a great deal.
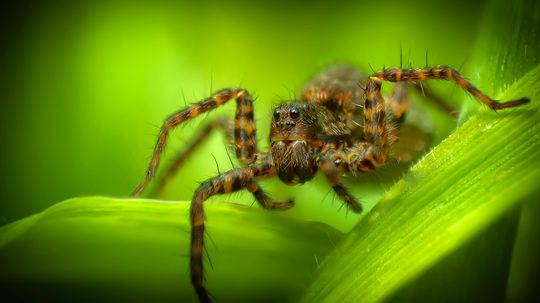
(106, 250)
(446, 230)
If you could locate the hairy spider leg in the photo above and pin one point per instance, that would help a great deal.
(219, 123)
(369, 155)
(244, 127)
(445, 73)
(381, 129)
(372, 152)
(398, 103)
(329, 164)
(230, 181)
(336, 158)
(339, 89)
(396, 106)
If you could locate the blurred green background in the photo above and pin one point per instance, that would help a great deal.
(86, 84)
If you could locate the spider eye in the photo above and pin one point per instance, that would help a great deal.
(277, 114)
(294, 113)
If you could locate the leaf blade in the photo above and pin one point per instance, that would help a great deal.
(136, 250)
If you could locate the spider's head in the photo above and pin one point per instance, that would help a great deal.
(291, 122)
(290, 137)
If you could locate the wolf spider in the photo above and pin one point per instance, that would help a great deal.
(340, 123)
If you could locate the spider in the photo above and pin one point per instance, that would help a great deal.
(340, 123)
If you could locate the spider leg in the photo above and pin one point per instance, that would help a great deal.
(373, 152)
(446, 73)
(378, 132)
(219, 123)
(264, 200)
(328, 163)
(410, 143)
(398, 103)
(227, 182)
(244, 127)
(396, 106)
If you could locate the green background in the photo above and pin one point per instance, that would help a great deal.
(86, 85)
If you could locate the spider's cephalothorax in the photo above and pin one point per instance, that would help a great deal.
(299, 130)
(340, 123)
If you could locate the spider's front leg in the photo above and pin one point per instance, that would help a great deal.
(330, 164)
(363, 156)
(379, 133)
(233, 180)
(244, 128)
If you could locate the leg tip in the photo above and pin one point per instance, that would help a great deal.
(513, 103)
(137, 191)
(202, 294)
(355, 207)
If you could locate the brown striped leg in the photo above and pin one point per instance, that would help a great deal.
(328, 165)
(396, 106)
(244, 132)
(264, 200)
(368, 155)
(379, 133)
(398, 103)
(220, 123)
(445, 73)
(230, 181)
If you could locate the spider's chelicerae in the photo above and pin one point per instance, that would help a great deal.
(340, 123)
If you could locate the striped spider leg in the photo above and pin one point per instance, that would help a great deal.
(219, 124)
(244, 131)
(255, 166)
(230, 181)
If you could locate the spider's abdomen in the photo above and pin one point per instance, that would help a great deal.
(294, 161)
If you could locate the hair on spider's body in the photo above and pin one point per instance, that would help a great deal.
(340, 123)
